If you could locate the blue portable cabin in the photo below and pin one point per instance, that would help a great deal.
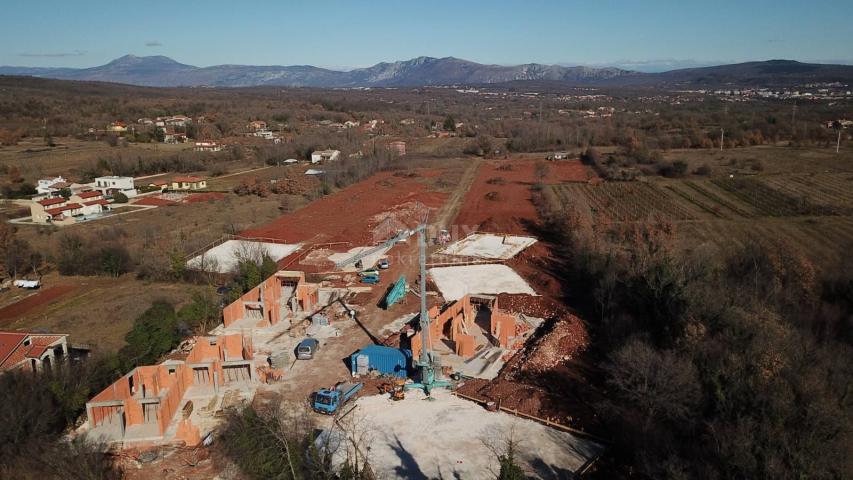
(385, 360)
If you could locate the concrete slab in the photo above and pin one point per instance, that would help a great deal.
(223, 258)
(491, 279)
(368, 261)
(489, 246)
(449, 437)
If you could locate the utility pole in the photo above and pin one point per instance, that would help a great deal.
(793, 119)
(722, 138)
(838, 141)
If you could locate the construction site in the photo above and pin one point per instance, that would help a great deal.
(371, 311)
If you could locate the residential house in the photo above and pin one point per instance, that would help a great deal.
(256, 125)
(117, 127)
(176, 121)
(559, 156)
(147, 122)
(111, 184)
(32, 352)
(92, 201)
(407, 121)
(188, 183)
(171, 136)
(51, 186)
(325, 156)
(148, 404)
(57, 210)
(351, 124)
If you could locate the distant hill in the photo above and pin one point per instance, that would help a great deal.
(160, 71)
(769, 73)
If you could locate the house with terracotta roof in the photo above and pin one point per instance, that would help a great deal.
(57, 210)
(188, 183)
(93, 202)
(32, 352)
(65, 211)
(51, 186)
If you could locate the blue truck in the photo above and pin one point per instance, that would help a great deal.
(328, 401)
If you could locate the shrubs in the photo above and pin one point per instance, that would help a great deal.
(77, 256)
(119, 197)
(676, 169)
(154, 333)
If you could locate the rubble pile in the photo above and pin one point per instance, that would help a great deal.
(565, 338)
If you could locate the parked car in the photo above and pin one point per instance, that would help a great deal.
(383, 264)
(370, 272)
(307, 348)
(370, 279)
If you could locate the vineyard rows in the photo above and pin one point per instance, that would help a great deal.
(623, 202)
(770, 202)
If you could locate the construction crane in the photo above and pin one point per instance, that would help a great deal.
(427, 362)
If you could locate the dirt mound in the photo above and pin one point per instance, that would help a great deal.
(540, 307)
(566, 338)
(494, 196)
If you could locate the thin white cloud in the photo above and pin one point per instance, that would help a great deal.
(73, 53)
(153, 43)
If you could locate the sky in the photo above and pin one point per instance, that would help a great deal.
(647, 35)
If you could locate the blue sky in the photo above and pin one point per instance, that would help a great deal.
(641, 34)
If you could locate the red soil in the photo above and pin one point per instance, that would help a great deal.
(500, 199)
(563, 171)
(33, 301)
(514, 205)
(349, 215)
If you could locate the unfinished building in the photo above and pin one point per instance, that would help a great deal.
(142, 405)
(468, 323)
(281, 297)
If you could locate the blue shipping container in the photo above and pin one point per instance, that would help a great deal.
(385, 360)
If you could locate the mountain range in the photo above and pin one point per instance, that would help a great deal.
(161, 71)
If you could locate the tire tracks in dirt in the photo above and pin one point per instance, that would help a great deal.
(451, 207)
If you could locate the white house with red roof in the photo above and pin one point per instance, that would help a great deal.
(55, 210)
(65, 211)
(92, 201)
(33, 352)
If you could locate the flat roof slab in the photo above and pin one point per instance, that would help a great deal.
(224, 257)
(491, 279)
(449, 437)
(489, 246)
(368, 262)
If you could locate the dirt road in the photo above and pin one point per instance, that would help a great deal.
(454, 203)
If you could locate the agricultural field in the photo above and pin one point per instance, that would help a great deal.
(811, 211)
(69, 156)
(622, 202)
